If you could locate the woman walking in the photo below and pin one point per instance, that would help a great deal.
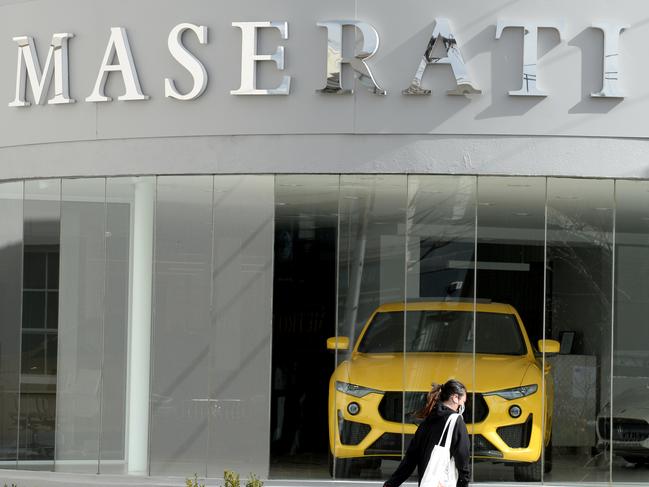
(443, 400)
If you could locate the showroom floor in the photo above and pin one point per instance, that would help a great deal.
(311, 471)
(568, 468)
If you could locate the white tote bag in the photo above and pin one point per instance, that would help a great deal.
(441, 471)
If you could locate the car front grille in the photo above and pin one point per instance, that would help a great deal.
(629, 430)
(390, 444)
(481, 447)
(517, 435)
(352, 433)
(392, 407)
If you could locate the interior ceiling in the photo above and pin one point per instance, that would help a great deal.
(506, 203)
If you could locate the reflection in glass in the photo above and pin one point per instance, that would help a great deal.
(82, 276)
(36, 435)
(629, 405)
(510, 280)
(440, 264)
(120, 205)
(580, 240)
(241, 317)
(182, 326)
(304, 312)
(371, 277)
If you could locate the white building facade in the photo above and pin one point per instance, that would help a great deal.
(195, 196)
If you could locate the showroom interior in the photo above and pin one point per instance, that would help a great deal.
(317, 254)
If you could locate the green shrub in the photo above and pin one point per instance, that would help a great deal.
(254, 481)
(193, 482)
(231, 479)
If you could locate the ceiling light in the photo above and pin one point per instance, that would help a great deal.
(520, 213)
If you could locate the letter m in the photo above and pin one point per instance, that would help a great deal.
(29, 68)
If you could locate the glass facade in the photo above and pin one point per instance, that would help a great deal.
(290, 326)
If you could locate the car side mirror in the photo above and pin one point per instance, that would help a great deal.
(338, 343)
(549, 347)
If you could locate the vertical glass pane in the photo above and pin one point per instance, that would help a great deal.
(440, 285)
(51, 346)
(52, 315)
(81, 292)
(38, 390)
(629, 408)
(182, 325)
(33, 353)
(35, 270)
(11, 236)
(366, 389)
(578, 313)
(511, 424)
(120, 204)
(304, 313)
(33, 308)
(242, 280)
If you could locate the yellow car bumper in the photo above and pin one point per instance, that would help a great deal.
(496, 435)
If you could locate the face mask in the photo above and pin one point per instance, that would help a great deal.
(460, 409)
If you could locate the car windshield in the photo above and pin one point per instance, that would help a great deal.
(443, 331)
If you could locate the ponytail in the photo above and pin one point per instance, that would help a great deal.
(431, 401)
(440, 393)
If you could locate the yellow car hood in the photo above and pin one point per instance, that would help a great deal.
(385, 372)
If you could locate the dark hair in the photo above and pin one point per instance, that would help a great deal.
(440, 393)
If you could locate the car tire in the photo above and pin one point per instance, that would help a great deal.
(547, 466)
(528, 472)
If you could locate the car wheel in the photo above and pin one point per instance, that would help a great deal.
(547, 466)
(528, 472)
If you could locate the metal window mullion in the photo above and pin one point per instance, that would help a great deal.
(475, 316)
(213, 328)
(20, 322)
(153, 320)
(332, 414)
(544, 325)
(613, 252)
(102, 325)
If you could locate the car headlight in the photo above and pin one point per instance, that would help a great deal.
(354, 390)
(514, 393)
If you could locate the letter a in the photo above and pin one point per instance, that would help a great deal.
(443, 49)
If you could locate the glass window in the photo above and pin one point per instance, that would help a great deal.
(182, 332)
(510, 393)
(304, 317)
(580, 237)
(371, 274)
(440, 262)
(82, 276)
(11, 249)
(41, 230)
(120, 248)
(623, 422)
(241, 316)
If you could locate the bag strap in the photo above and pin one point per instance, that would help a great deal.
(448, 429)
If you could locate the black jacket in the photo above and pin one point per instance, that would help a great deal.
(421, 447)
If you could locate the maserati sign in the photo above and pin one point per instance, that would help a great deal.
(443, 48)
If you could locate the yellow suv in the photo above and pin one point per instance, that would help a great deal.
(403, 348)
